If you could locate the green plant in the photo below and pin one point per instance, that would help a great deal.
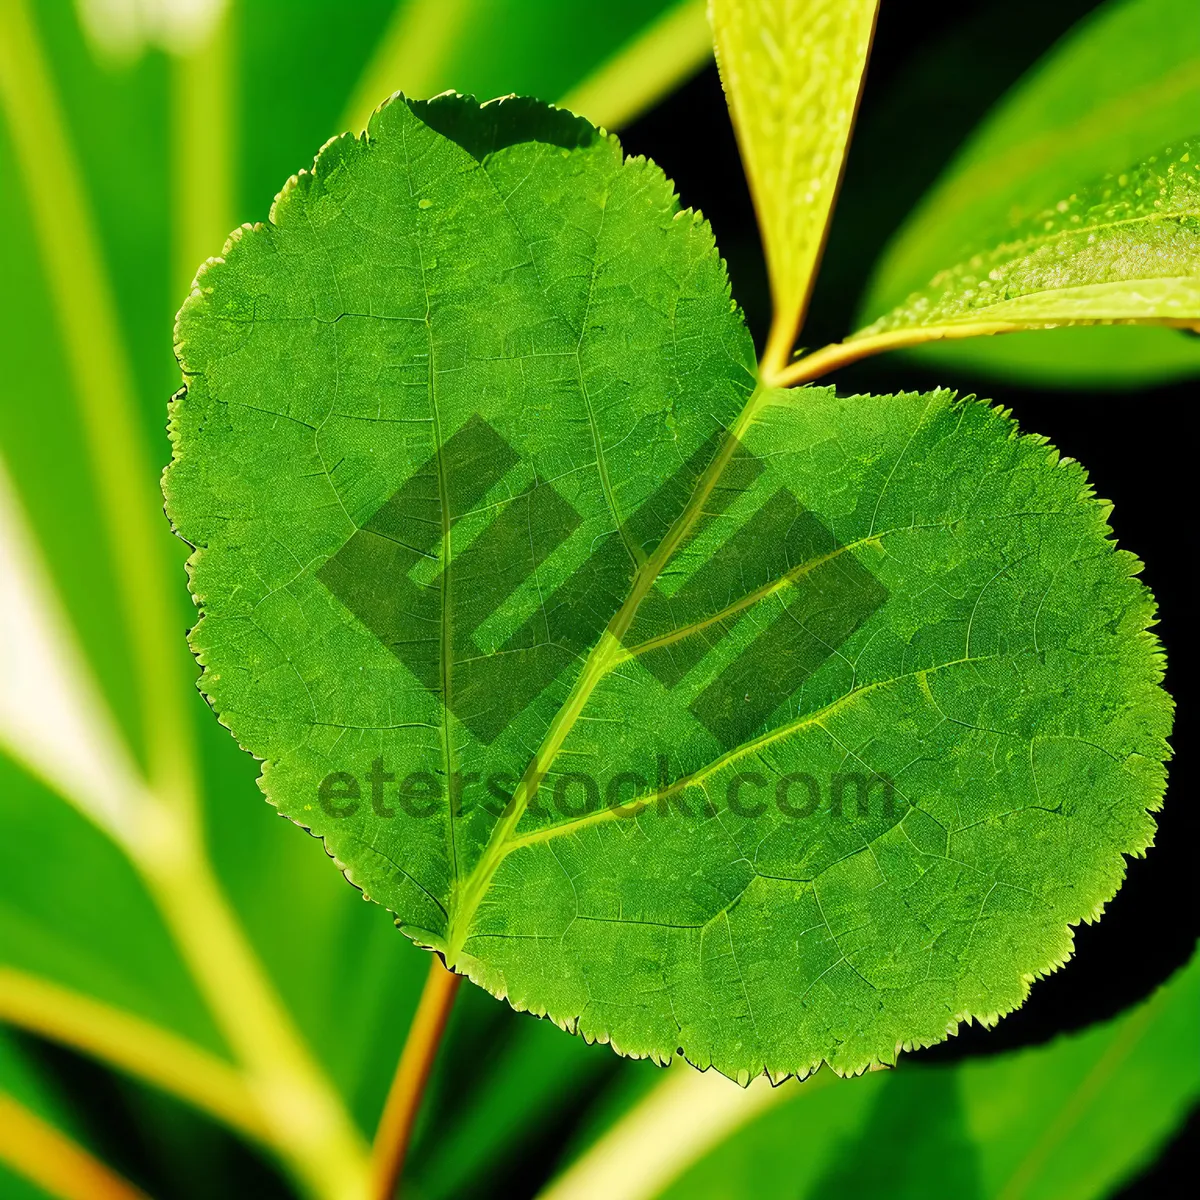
(483, 327)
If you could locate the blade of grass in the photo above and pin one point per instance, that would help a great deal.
(410, 55)
(36, 1150)
(657, 61)
(95, 349)
(202, 105)
(53, 719)
(308, 1121)
(673, 1126)
(132, 1045)
(418, 50)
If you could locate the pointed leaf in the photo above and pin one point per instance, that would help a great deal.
(1124, 249)
(793, 71)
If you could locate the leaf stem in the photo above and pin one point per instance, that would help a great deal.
(33, 1148)
(842, 354)
(131, 1044)
(412, 1073)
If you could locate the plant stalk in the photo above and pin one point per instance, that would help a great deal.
(842, 354)
(304, 1116)
(412, 1073)
(35, 1149)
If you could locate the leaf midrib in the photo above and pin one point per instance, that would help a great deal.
(600, 660)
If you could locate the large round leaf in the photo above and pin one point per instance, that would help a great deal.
(769, 727)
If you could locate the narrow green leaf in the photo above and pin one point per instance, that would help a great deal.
(20, 1080)
(793, 72)
(662, 56)
(534, 47)
(762, 726)
(1122, 84)
(1071, 1120)
(1124, 249)
(102, 937)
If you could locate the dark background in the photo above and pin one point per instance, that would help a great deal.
(934, 73)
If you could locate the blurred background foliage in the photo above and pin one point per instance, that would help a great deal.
(134, 134)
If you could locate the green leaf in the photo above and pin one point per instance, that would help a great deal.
(496, 536)
(1071, 1120)
(1124, 249)
(793, 71)
(1122, 84)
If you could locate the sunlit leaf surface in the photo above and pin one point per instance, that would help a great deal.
(769, 727)
(1124, 249)
(1121, 85)
(793, 70)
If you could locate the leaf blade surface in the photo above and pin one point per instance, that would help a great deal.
(528, 598)
(1125, 249)
(1122, 84)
